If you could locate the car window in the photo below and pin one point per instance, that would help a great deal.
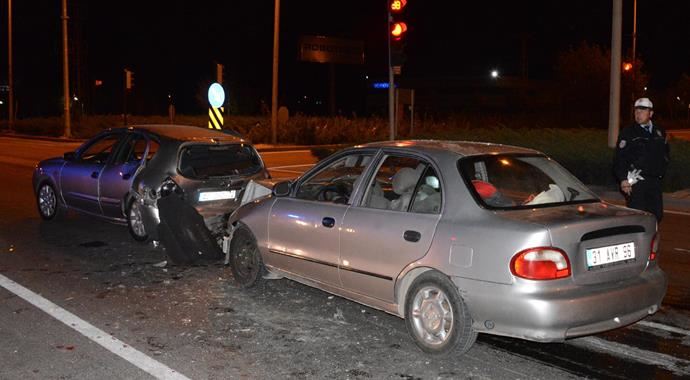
(132, 150)
(99, 150)
(401, 182)
(200, 161)
(335, 182)
(510, 181)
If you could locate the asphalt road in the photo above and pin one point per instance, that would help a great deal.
(98, 305)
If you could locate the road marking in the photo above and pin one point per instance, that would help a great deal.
(661, 326)
(681, 249)
(290, 166)
(677, 212)
(676, 365)
(112, 344)
(284, 151)
(286, 171)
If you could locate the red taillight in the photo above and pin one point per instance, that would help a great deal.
(542, 263)
(655, 247)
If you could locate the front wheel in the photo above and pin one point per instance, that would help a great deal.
(436, 316)
(47, 201)
(245, 259)
(135, 221)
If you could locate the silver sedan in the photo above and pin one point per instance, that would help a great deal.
(457, 238)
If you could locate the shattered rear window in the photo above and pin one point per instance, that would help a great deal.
(204, 161)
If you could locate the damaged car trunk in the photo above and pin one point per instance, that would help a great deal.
(189, 189)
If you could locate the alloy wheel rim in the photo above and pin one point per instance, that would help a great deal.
(136, 220)
(47, 200)
(432, 315)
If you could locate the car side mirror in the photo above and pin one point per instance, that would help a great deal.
(69, 156)
(282, 189)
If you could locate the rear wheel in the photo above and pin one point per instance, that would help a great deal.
(436, 316)
(245, 260)
(135, 221)
(47, 201)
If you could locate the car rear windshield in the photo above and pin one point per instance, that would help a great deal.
(203, 161)
(521, 181)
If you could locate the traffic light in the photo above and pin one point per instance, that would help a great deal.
(129, 79)
(398, 30)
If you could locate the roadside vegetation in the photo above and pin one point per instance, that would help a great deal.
(581, 150)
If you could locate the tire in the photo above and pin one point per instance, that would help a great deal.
(436, 316)
(47, 201)
(135, 221)
(245, 259)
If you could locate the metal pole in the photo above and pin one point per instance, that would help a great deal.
(615, 88)
(274, 91)
(412, 112)
(634, 47)
(391, 84)
(65, 70)
(10, 80)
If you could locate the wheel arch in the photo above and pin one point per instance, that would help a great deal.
(404, 284)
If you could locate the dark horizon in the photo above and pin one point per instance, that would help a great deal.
(173, 46)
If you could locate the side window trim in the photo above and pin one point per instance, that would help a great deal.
(95, 140)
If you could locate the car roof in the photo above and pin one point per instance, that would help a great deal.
(186, 133)
(463, 148)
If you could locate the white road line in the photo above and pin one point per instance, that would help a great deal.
(681, 250)
(661, 326)
(112, 344)
(677, 212)
(678, 366)
(286, 171)
(285, 151)
(290, 166)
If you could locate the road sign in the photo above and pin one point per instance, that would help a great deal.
(216, 95)
(215, 118)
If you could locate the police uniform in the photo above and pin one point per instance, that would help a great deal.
(646, 149)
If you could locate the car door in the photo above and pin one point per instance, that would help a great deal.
(118, 174)
(304, 228)
(391, 227)
(79, 179)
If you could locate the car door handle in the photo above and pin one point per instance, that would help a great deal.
(328, 222)
(127, 176)
(94, 175)
(412, 236)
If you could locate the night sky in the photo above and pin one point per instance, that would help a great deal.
(172, 46)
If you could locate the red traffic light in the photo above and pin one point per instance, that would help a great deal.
(397, 5)
(398, 29)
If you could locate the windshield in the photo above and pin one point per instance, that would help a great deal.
(519, 181)
(203, 161)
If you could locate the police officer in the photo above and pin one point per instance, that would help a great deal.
(640, 162)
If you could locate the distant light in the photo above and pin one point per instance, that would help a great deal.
(678, 97)
(75, 99)
(627, 66)
(169, 96)
(494, 74)
(645, 88)
(1, 102)
(366, 77)
(380, 85)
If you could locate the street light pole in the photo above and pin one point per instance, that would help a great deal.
(634, 47)
(391, 80)
(10, 80)
(274, 90)
(615, 88)
(65, 71)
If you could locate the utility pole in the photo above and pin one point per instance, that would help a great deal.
(634, 47)
(10, 80)
(274, 90)
(615, 88)
(391, 79)
(65, 71)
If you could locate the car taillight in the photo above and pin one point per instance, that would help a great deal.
(542, 263)
(655, 247)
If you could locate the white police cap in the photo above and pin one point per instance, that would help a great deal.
(643, 103)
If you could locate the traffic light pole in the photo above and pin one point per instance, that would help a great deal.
(65, 71)
(391, 82)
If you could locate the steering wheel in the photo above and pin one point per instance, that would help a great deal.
(335, 192)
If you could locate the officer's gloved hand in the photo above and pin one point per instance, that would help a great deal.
(634, 176)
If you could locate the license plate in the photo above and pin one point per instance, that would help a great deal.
(206, 196)
(598, 257)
